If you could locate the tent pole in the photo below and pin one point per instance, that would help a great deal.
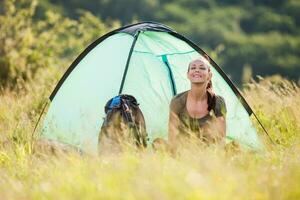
(38, 121)
(263, 128)
(128, 61)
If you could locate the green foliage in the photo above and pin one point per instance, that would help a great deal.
(16, 41)
(264, 20)
(28, 45)
(261, 34)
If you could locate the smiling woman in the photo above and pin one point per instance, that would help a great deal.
(198, 112)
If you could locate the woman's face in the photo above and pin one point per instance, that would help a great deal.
(198, 72)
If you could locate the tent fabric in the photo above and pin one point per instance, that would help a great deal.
(147, 61)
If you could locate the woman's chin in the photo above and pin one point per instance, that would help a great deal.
(198, 81)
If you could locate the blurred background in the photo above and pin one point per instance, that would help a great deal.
(245, 38)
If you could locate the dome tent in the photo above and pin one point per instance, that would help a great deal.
(147, 60)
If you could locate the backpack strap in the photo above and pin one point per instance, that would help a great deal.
(128, 118)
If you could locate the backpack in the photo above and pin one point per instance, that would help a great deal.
(124, 109)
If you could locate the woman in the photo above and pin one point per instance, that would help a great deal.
(197, 112)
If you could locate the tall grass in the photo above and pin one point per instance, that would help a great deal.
(277, 104)
(195, 173)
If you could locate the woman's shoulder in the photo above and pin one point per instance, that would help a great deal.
(180, 97)
(178, 101)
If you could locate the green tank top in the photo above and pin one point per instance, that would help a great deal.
(189, 124)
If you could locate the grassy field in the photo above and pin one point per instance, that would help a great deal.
(26, 172)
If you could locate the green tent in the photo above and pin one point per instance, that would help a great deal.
(147, 60)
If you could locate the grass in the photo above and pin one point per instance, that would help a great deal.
(195, 173)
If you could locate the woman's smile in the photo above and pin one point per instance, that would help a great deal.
(198, 72)
(197, 75)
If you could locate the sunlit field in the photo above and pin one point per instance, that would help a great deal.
(31, 171)
(34, 53)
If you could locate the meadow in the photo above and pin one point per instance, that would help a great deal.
(33, 53)
(30, 172)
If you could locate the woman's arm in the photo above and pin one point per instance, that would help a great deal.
(173, 128)
(221, 127)
(217, 127)
(220, 122)
(215, 130)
